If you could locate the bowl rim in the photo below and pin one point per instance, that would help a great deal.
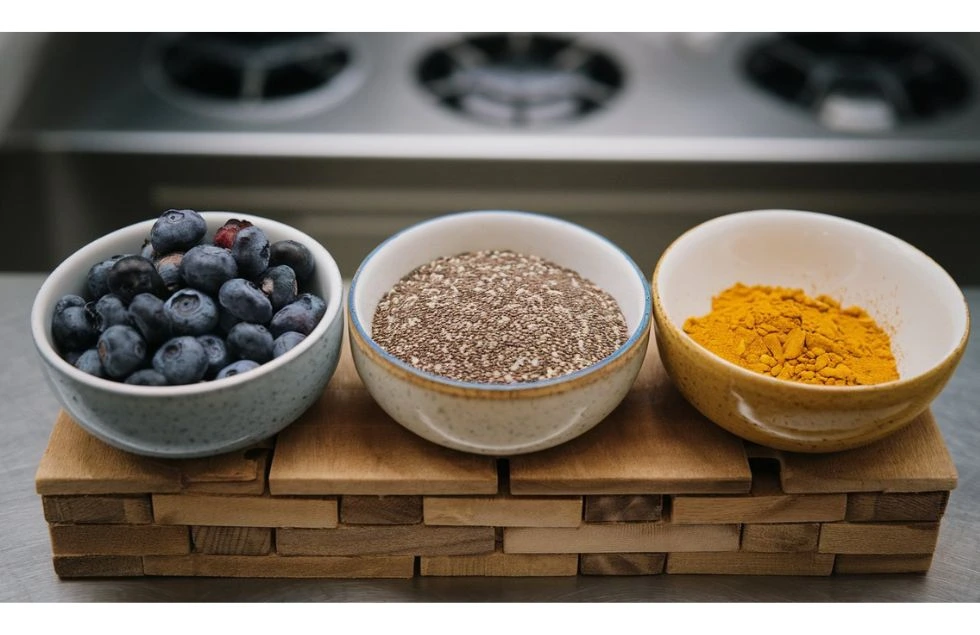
(523, 389)
(766, 380)
(40, 312)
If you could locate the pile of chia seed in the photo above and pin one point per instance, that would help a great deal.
(498, 317)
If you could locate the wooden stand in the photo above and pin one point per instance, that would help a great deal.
(345, 492)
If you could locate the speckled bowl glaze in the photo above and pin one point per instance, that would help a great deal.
(905, 291)
(498, 419)
(206, 418)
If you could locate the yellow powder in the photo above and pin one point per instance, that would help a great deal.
(786, 334)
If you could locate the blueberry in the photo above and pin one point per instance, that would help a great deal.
(286, 342)
(251, 251)
(225, 235)
(237, 368)
(218, 355)
(245, 301)
(169, 269)
(132, 275)
(122, 350)
(110, 310)
(191, 312)
(67, 301)
(90, 363)
(294, 254)
(177, 230)
(71, 356)
(301, 315)
(250, 341)
(279, 285)
(73, 326)
(182, 360)
(146, 377)
(149, 314)
(206, 267)
(97, 279)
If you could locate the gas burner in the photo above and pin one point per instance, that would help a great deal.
(858, 82)
(521, 79)
(252, 74)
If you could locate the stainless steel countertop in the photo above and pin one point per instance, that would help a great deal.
(26, 574)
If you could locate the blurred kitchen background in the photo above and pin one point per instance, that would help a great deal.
(353, 136)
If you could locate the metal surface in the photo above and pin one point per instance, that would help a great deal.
(26, 574)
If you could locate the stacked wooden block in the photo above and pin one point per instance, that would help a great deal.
(346, 492)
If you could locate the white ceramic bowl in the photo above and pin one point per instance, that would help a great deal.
(498, 419)
(906, 292)
(206, 418)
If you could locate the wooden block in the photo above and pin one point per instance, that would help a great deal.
(118, 540)
(503, 511)
(622, 563)
(346, 444)
(781, 538)
(98, 566)
(621, 538)
(499, 564)
(624, 508)
(280, 567)
(244, 511)
(130, 510)
(240, 472)
(232, 541)
(899, 563)
(747, 563)
(655, 442)
(881, 507)
(363, 540)
(380, 510)
(879, 538)
(914, 459)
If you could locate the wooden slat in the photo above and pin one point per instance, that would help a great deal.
(503, 511)
(655, 442)
(363, 540)
(499, 564)
(380, 510)
(622, 563)
(239, 472)
(880, 507)
(879, 538)
(106, 510)
(118, 540)
(280, 567)
(245, 511)
(899, 563)
(232, 541)
(621, 538)
(747, 563)
(781, 538)
(623, 508)
(98, 566)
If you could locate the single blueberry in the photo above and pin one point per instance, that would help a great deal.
(294, 254)
(182, 360)
(218, 355)
(97, 280)
(132, 275)
(66, 301)
(146, 377)
(225, 235)
(301, 316)
(169, 269)
(279, 285)
(286, 342)
(206, 268)
(149, 314)
(250, 341)
(177, 230)
(110, 310)
(73, 326)
(245, 300)
(237, 368)
(251, 251)
(90, 363)
(191, 312)
(122, 350)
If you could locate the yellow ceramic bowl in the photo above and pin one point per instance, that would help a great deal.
(905, 291)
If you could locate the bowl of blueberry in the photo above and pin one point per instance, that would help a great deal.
(192, 334)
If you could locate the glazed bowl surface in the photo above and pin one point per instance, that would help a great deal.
(907, 293)
(205, 418)
(498, 419)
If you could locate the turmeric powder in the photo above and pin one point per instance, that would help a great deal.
(784, 333)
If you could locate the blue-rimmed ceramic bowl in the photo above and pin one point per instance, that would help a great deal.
(499, 419)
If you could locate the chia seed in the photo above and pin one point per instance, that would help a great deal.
(498, 317)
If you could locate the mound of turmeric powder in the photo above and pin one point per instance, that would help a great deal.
(786, 334)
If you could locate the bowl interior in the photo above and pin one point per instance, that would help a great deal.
(905, 291)
(592, 256)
